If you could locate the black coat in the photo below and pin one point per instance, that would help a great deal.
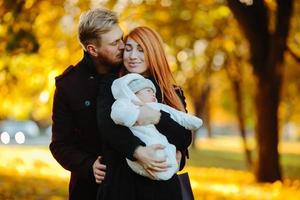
(121, 183)
(76, 142)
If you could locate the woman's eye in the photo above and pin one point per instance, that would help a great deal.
(128, 48)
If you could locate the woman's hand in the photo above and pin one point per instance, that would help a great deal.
(178, 157)
(146, 157)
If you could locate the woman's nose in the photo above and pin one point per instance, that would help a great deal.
(133, 55)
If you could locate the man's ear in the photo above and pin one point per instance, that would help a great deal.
(92, 50)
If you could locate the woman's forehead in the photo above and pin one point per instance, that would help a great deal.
(132, 42)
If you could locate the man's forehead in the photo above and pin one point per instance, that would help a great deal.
(114, 34)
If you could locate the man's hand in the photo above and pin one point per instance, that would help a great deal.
(99, 170)
(147, 115)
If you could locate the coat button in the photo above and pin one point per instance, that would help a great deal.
(87, 103)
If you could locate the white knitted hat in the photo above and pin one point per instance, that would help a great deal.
(138, 84)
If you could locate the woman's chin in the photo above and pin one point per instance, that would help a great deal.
(133, 70)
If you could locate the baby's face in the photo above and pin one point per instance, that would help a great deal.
(146, 95)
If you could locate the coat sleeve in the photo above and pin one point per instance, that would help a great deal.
(175, 133)
(186, 120)
(63, 145)
(118, 137)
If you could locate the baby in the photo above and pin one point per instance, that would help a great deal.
(134, 87)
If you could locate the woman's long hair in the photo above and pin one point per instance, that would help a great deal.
(155, 59)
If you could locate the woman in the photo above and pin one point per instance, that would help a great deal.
(144, 54)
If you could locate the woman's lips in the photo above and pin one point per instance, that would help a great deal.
(133, 64)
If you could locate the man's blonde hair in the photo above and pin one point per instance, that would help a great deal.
(93, 24)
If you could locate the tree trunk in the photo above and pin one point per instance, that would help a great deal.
(267, 50)
(207, 118)
(267, 102)
(235, 75)
(201, 104)
(203, 107)
(241, 120)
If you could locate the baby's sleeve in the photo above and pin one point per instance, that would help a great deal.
(124, 112)
(186, 120)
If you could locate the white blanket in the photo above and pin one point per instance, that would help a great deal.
(125, 113)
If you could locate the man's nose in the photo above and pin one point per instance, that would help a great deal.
(121, 45)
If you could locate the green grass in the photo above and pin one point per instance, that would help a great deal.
(290, 163)
(221, 159)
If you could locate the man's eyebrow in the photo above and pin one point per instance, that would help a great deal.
(115, 41)
(121, 38)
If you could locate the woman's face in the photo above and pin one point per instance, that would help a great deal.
(134, 58)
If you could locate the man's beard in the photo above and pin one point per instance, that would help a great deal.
(108, 62)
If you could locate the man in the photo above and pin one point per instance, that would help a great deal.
(76, 142)
(76, 139)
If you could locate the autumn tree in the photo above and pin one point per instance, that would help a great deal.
(267, 46)
(37, 43)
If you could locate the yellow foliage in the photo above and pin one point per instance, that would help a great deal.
(229, 45)
(163, 16)
(223, 11)
(36, 165)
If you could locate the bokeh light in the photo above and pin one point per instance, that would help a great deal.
(20, 137)
(5, 138)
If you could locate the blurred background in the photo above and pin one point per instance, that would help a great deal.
(238, 62)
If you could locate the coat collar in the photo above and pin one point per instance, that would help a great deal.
(88, 65)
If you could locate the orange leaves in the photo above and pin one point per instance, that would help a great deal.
(27, 173)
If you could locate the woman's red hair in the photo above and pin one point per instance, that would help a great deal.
(157, 63)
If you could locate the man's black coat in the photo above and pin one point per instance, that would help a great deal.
(76, 142)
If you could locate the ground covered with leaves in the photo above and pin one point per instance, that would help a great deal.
(31, 173)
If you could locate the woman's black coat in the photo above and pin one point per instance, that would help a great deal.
(121, 183)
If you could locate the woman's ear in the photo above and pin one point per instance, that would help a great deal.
(92, 50)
